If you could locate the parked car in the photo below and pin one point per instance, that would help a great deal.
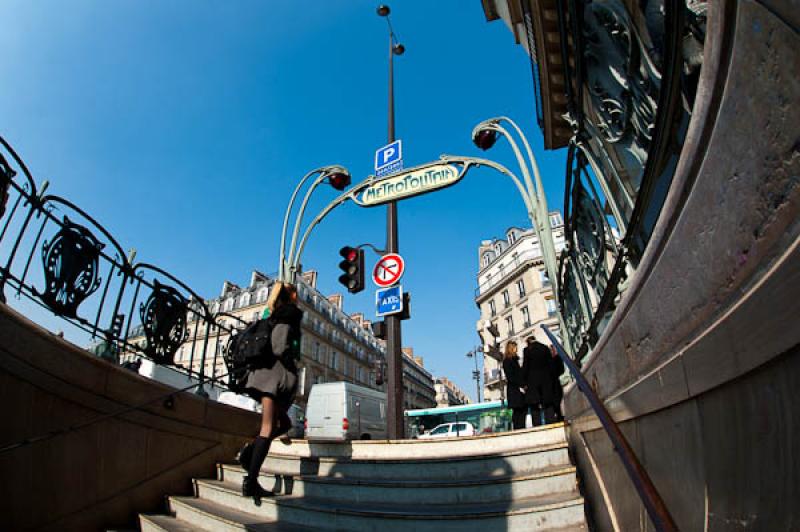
(339, 411)
(449, 430)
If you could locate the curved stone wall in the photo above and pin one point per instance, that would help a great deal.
(104, 474)
(700, 359)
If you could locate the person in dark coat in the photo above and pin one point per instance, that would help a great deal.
(540, 372)
(515, 394)
(273, 384)
(556, 370)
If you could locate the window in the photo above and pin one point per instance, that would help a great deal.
(498, 248)
(550, 303)
(512, 237)
(315, 353)
(521, 287)
(526, 317)
(543, 277)
(487, 258)
(255, 316)
(555, 219)
(502, 270)
(244, 300)
(228, 305)
(441, 430)
(334, 361)
(492, 308)
(510, 325)
(506, 299)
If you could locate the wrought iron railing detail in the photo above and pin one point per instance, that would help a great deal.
(633, 83)
(71, 263)
(84, 276)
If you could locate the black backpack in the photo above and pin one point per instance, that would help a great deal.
(250, 349)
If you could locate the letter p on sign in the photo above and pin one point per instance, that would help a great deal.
(388, 154)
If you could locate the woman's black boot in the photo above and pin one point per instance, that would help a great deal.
(250, 485)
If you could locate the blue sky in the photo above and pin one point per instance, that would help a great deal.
(184, 126)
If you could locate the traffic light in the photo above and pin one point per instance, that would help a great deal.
(353, 268)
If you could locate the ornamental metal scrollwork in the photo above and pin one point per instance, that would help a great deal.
(6, 174)
(71, 268)
(623, 82)
(164, 322)
(572, 306)
(590, 238)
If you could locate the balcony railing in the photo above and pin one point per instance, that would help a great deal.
(57, 256)
(629, 130)
(514, 263)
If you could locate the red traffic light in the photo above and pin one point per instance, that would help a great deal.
(349, 254)
(485, 139)
(339, 180)
(353, 268)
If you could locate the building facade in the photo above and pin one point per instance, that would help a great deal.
(515, 297)
(418, 386)
(335, 346)
(448, 393)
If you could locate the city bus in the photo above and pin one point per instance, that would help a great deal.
(488, 417)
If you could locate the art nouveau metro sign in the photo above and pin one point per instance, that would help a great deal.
(414, 182)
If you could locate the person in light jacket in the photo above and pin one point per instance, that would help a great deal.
(515, 394)
(274, 384)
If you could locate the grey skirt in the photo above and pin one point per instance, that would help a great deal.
(278, 382)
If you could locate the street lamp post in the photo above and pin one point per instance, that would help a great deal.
(393, 335)
(476, 374)
(339, 178)
(484, 135)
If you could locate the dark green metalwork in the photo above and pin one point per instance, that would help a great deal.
(78, 257)
(71, 262)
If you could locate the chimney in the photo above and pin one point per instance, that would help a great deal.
(310, 278)
(336, 300)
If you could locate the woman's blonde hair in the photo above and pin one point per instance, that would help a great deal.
(281, 293)
(511, 349)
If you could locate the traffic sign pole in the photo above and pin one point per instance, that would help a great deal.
(394, 353)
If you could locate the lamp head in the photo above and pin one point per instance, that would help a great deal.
(484, 138)
(383, 10)
(398, 49)
(339, 178)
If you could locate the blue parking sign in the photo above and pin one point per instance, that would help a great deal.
(389, 155)
(389, 300)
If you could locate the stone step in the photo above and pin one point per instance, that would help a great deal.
(551, 511)
(165, 523)
(487, 444)
(557, 479)
(200, 514)
(454, 467)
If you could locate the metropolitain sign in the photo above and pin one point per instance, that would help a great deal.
(414, 182)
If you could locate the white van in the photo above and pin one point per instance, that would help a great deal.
(339, 411)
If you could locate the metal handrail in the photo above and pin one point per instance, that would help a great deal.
(653, 503)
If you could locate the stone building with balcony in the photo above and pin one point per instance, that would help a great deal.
(514, 296)
(418, 387)
(448, 393)
(335, 346)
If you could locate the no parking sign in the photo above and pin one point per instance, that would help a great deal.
(388, 270)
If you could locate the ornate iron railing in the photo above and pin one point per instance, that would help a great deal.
(633, 78)
(59, 257)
